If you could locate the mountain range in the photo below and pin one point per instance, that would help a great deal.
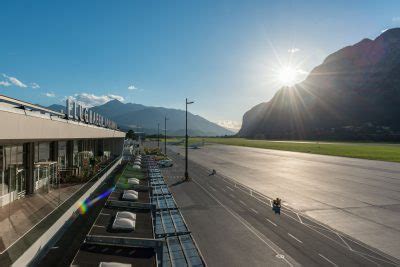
(142, 118)
(353, 94)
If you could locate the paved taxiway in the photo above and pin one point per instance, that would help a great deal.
(359, 198)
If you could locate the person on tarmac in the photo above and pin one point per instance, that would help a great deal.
(276, 205)
(214, 172)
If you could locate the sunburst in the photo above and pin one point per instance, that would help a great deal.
(287, 75)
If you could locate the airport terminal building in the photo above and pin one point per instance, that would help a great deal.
(50, 161)
(41, 148)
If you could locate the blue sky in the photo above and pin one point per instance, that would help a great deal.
(222, 54)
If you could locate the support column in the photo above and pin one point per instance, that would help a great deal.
(121, 146)
(54, 151)
(95, 147)
(29, 163)
(117, 146)
(100, 147)
(70, 154)
(112, 146)
(81, 145)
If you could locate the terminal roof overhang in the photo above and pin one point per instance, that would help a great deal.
(24, 124)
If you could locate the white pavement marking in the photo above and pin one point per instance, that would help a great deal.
(285, 213)
(344, 241)
(328, 260)
(100, 226)
(247, 225)
(253, 210)
(367, 257)
(364, 255)
(257, 197)
(317, 227)
(311, 227)
(105, 214)
(262, 201)
(230, 188)
(212, 188)
(271, 222)
(243, 203)
(292, 236)
(298, 216)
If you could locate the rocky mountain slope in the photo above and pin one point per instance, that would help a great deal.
(353, 94)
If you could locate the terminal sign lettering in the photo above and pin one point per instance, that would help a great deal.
(79, 113)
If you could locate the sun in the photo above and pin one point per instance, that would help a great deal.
(287, 75)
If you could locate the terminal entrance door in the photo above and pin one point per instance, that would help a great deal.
(20, 183)
(54, 175)
(46, 176)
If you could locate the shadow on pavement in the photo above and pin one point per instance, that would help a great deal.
(179, 182)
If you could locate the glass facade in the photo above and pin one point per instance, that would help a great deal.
(75, 153)
(48, 166)
(1, 172)
(12, 173)
(42, 151)
(45, 171)
(62, 154)
(45, 175)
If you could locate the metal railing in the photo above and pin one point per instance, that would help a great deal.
(123, 241)
(23, 104)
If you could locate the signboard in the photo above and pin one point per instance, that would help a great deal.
(79, 113)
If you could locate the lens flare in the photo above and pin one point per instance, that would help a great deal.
(83, 207)
(86, 204)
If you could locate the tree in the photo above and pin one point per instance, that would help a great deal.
(130, 134)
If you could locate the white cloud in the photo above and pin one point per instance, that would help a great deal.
(15, 81)
(132, 87)
(300, 71)
(90, 100)
(50, 94)
(230, 125)
(35, 85)
(293, 50)
(5, 83)
(117, 97)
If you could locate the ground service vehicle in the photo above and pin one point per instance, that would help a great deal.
(165, 163)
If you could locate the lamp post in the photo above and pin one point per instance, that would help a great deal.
(158, 135)
(186, 143)
(165, 135)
